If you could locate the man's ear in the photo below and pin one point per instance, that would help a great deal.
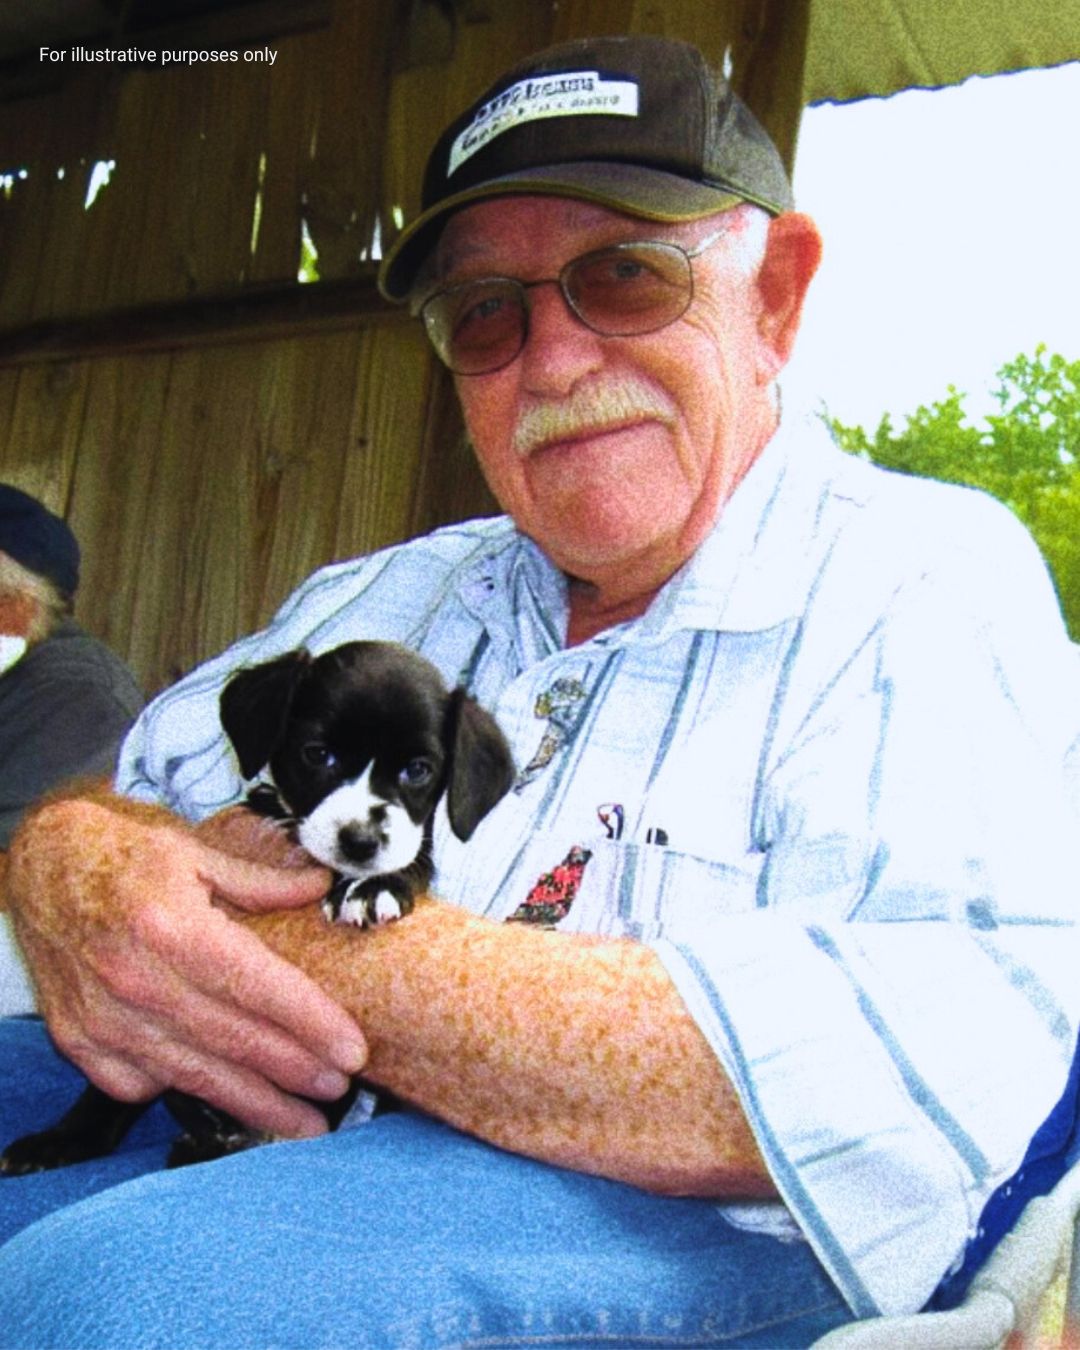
(792, 255)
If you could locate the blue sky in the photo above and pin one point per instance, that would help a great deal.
(951, 219)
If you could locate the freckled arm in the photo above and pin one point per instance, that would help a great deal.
(571, 1049)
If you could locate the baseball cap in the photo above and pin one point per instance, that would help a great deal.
(639, 124)
(38, 540)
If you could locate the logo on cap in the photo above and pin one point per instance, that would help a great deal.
(567, 94)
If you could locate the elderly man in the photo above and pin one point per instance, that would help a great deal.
(800, 727)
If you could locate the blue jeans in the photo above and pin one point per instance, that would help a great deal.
(402, 1234)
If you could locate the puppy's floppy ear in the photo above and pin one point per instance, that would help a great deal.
(254, 705)
(481, 767)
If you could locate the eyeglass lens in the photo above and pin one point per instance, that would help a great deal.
(621, 291)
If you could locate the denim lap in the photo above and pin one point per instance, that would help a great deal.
(400, 1234)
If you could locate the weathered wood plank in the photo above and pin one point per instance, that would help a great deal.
(248, 315)
(205, 483)
(423, 98)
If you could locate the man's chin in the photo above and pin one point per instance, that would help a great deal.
(592, 544)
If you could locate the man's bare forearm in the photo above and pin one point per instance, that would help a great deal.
(568, 1048)
(575, 1050)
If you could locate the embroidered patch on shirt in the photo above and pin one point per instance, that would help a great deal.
(569, 94)
(550, 899)
(562, 706)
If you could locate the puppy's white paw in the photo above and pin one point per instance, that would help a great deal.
(353, 907)
(347, 905)
(386, 908)
(354, 910)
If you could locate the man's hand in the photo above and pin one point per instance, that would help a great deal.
(146, 983)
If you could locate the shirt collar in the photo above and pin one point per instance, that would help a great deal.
(754, 569)
(518, 595)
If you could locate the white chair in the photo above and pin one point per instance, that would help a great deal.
(1004, 1298)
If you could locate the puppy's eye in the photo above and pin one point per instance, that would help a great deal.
(417, 773)
(317, 756)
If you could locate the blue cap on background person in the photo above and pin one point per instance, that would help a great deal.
(38, 540)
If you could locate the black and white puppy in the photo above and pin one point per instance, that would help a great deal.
(361, 743)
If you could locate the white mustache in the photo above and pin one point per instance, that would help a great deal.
(591, 408)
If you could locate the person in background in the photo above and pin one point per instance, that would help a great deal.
(66, 700)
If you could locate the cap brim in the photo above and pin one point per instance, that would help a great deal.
(649, 193)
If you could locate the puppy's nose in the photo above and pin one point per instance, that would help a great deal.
(358, 843)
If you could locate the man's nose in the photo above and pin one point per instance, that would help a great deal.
(559, 349)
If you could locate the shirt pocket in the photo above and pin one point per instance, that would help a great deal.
(645, 890)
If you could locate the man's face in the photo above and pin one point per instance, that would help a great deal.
(616, 453)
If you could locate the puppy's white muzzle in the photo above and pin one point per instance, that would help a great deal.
(360, 834)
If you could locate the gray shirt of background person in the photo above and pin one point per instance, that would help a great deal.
(65, 707)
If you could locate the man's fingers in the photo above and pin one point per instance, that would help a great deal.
(197, 988)
(250, 1098)
(246, 1095)
(133, 1054)
(231, 1035)
(120, 1077)
(147, 984)
(242, 834)
(234, 969)
(257, 887)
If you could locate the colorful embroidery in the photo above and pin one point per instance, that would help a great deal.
(550, 899)
(562, 706)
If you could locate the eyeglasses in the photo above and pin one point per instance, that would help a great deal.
(624, 290)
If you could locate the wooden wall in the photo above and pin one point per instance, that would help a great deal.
(205, 483)
(211, 428)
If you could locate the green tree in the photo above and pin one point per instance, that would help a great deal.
(1027, 454)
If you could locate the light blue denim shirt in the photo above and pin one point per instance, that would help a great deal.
(823, 777)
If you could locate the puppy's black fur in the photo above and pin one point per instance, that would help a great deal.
(362, 743)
